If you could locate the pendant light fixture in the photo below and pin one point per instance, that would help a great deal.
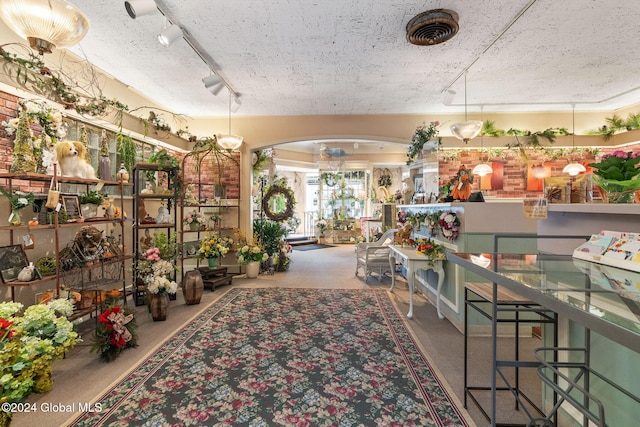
(46, 24)
(482, 169)
(229, 142)
(574, 168)
(468, 129)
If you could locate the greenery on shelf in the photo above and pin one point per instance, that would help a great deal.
(420, 137)
(615, 124)
(34, 71)
(127, 151)
(92, 197)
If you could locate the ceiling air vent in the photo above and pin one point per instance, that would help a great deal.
(432, 27)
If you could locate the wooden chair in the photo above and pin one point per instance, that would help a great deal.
(374, 256)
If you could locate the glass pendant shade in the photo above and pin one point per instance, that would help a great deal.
(574, 169)
(466, 130)
(46, 24)
(229, 142)
(482, 169)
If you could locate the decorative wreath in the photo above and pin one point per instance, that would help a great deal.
(449, 225)
(385, 179)
(273, 191)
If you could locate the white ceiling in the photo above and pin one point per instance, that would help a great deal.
(345, 57)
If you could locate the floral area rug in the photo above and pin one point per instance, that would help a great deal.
(285, 357)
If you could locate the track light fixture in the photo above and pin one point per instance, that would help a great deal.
(169, 35)
(211, 80)
(136, 8)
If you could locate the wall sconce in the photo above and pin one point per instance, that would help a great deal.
(169, 35)
(46, 24)
(137, 8)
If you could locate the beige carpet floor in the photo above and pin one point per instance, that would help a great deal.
(81, 376)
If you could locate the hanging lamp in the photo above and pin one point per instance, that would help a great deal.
(482, 169)
(46, 24)
(229, 142)
(574, 168)
(468, 129)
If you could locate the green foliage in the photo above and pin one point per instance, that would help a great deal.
(92, 197)
(269, 234)
(489, 129)
(619, 165)
(167, 247)
(420, 137)
(127, 150)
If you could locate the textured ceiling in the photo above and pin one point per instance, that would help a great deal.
(345, 57)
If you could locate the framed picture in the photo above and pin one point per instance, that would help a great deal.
(12, 261)
(71, 204)
(190, 249)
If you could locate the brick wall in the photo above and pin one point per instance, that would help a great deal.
(212, 171)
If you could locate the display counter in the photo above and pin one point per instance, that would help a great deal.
(600, 345)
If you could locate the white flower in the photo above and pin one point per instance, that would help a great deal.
(255, 250)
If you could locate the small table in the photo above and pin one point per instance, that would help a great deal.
(212, 277)
(414, 261)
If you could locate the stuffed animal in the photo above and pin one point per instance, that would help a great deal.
(112, 211)
(403, 234)
(71, 158)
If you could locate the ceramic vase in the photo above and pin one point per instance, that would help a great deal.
(212, 262)
(105, 168)
(159, 305)
(253, 268)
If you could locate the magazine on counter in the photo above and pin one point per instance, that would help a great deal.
(615, 248)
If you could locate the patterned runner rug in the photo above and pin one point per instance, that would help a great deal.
(288, 357)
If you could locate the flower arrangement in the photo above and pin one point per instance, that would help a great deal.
(618, 175)
(28, 346)
(160, 285)
(428, 248)
(420, 137)
(115, 332)
(432, 221)
(195, 217)
(251, 253)
(18, 199)
(449, 224)
(619, 165)
(154, 271)
(214, 246)
(322, 226)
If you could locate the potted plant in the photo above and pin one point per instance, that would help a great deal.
(89, 203)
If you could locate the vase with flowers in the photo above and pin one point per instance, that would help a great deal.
(195, 220)
(251, 255)
(18, 200)
(618, 175)
(212, 247)
(155, 273)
